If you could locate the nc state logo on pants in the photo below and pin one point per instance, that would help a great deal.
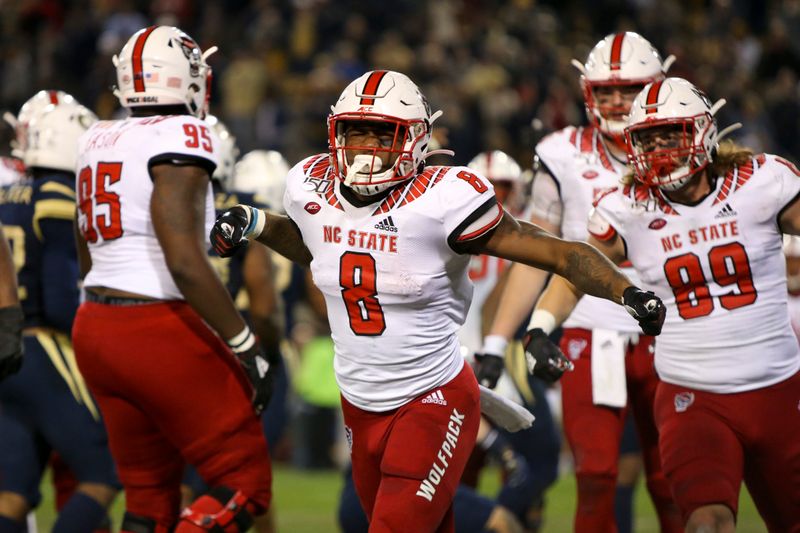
(575, 347)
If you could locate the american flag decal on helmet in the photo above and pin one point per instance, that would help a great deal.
(371, 87)
(138, 48)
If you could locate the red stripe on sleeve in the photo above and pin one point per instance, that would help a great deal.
(138, 47)
(477, 233)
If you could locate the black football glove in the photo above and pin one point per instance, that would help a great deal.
(11, 319)
(545, 360)
(232, 229)
(646, 308)
(260, 373)
(488, 368)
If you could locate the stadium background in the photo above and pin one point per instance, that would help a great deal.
(499, 70)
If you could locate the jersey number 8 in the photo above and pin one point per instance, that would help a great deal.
(357, 277)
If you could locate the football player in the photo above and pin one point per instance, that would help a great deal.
(701, 223)
(12, 169)
(529, 458)
(11, 317)
(388, 242)
(613, 361)
(47, 406)
(175, 368)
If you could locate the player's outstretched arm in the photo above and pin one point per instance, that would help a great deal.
(582, 264)
(242, 223)
(11, 316)
(589, 270)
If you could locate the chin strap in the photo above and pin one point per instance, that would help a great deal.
(441, 151)
(728, 130)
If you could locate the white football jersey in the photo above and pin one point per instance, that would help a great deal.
(720, 270)
(114, 188)
(12, 170)
(395, 288)
(583, 170)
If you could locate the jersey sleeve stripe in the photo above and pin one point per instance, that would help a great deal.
(477, 233)
(453, 239)
(182, 159)
(59, 209)
(52, 186)
(609, 233)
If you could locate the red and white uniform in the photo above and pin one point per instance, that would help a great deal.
(727, 354)
(115, 157)
(719, 268)
(583, 170)
(169, 388)
(396, 290)
(12, 170)
(613, 361)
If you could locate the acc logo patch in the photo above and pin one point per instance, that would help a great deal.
(312, 208)
(575, 347)
(657, 223)
(590, 174)
(683, 400)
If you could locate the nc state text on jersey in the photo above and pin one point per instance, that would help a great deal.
(366, 240)
(712, 232)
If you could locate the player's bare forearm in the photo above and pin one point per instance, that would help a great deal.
(559, 299)
(177, 207)
(283, 236)
(524, 285)
(581, 264)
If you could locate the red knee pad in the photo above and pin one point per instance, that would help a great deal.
(219, 511)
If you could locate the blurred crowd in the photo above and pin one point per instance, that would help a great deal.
(500, 70)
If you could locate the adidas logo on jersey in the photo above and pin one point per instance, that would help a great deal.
(387, 224)
(726, 211)
(435, 397)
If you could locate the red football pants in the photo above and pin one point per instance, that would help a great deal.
(594, 433)
(170, 392)
(710, 442)
(407, 463)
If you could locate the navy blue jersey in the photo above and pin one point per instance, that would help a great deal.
(230, 270)
(37, 217)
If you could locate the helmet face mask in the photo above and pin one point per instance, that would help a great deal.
(163, 66)
(378, 132)
(672, 133)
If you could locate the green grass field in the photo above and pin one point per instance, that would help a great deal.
(306, 503)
